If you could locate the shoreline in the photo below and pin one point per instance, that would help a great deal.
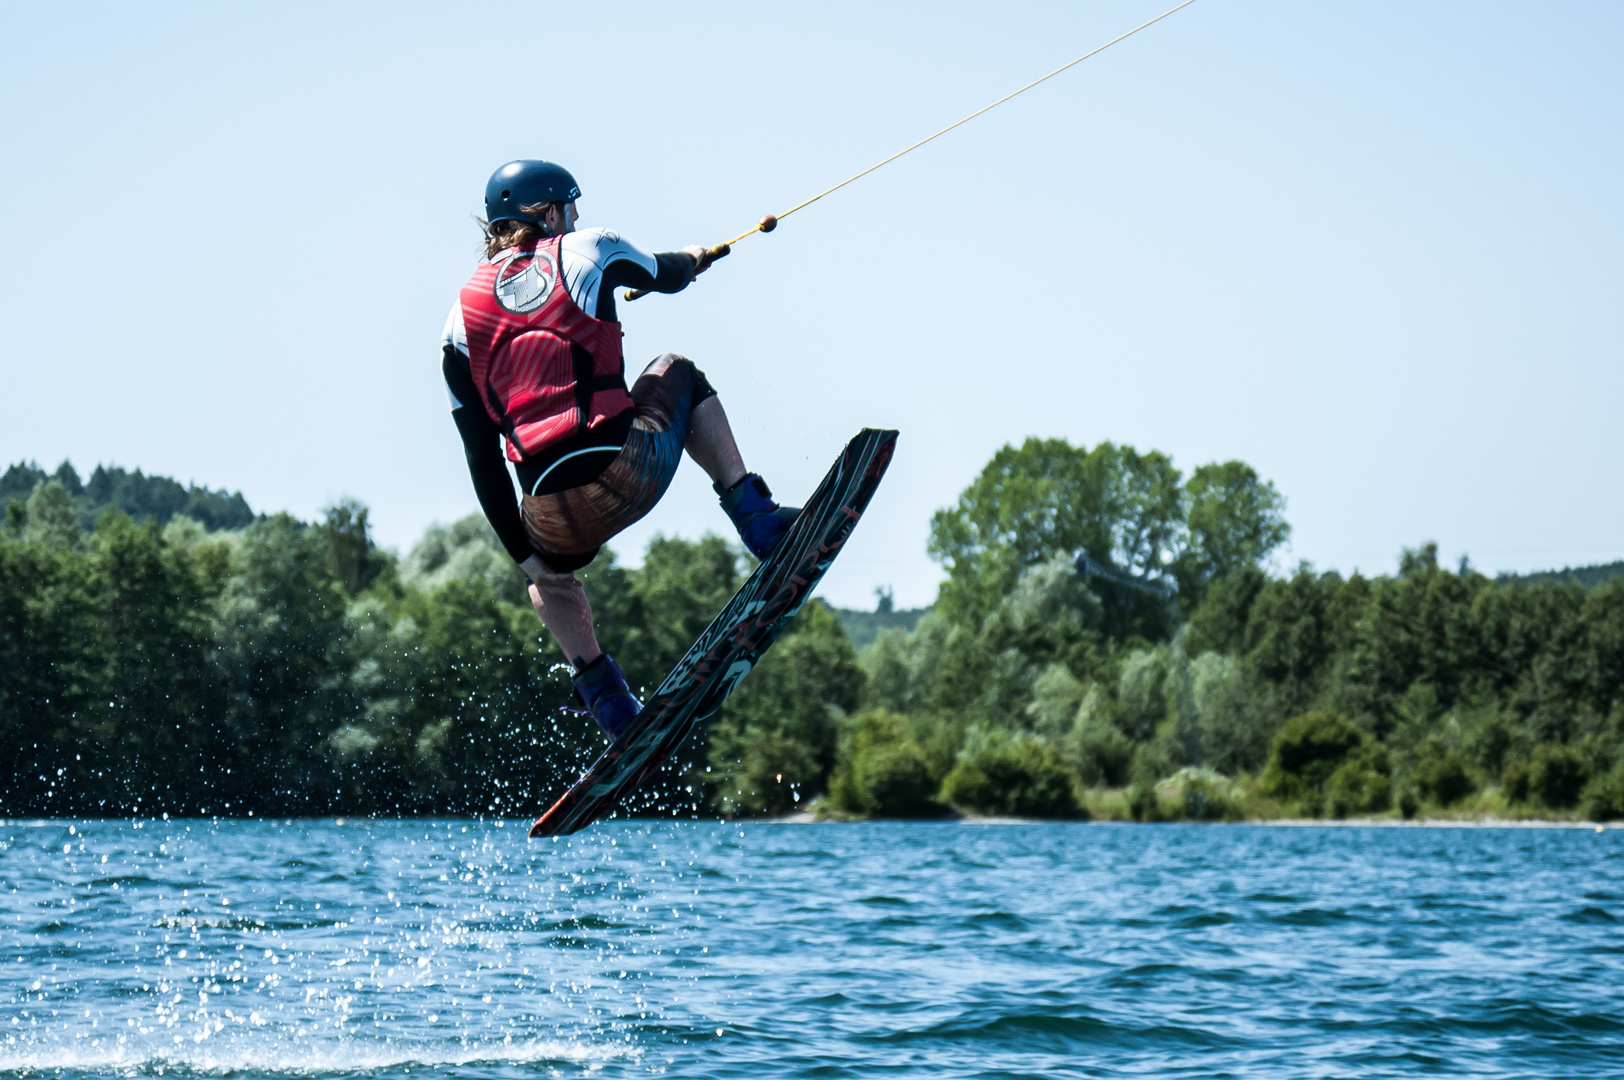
(807, 817)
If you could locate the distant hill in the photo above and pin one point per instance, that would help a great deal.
(863, 627)
(142, 497)
(1588, 576)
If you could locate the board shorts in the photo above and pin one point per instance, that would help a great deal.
(568, 527)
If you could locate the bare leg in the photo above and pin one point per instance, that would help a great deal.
(561, 602)
(710, 443)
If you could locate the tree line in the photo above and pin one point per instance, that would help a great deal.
(142, 497)
(294, 668)
(1108, 641)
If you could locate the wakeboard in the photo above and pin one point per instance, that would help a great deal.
(734, 641)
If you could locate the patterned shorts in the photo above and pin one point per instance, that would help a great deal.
(568, 527)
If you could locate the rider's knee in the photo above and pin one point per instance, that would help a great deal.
(674, 365)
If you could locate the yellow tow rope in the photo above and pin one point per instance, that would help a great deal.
(769, 222)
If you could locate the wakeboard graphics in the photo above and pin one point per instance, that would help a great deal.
(734, 641)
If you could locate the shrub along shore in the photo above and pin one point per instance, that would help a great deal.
(1108, 643)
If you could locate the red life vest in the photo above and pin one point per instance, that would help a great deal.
(545, 369)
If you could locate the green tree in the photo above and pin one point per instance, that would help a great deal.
(374, 749)
(152, 733)
(1014, 775)
(492, 719)
(1325, 763)
(48, 673)
(1218, 623)
(1235, 521)
(51, 520)
(1096, 747)
(1049, 498)
(1556, 776)
(352, 558)
(155, 498)
(468, 548)
(279, 633)
(1438, 774)
(1604, 795)
(1234, 730)
(883, 769)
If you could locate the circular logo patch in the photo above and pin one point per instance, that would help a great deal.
(524, 280)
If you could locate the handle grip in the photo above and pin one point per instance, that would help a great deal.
(711, 256)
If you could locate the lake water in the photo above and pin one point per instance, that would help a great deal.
(386, 949)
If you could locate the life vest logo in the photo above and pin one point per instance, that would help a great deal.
(524, 280)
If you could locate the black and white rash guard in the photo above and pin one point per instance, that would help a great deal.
(593, 264)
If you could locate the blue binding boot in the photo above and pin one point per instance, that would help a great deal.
(760, 521)
(603, 689)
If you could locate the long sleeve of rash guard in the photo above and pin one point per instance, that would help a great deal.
(675, 270)
(482, 446)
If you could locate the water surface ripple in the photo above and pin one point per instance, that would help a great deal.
(383, 949)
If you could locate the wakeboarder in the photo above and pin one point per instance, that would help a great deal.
(532, 361)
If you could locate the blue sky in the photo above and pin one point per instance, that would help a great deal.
(1373, 249)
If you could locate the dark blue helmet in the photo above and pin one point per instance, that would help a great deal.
(526, 182)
